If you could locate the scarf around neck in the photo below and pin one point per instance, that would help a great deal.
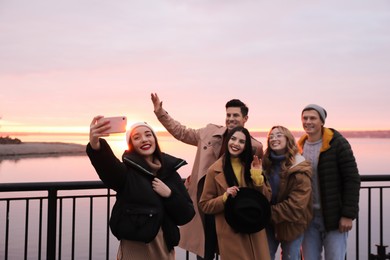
(155, 165)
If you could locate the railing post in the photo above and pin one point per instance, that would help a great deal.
(381, 253)
(51, 224)
(381, 249)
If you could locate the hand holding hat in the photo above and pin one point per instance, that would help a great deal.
(248, 212)
(232, 191)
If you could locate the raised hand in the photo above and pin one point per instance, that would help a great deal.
(256, 163)
(96, 129)
(156, 101)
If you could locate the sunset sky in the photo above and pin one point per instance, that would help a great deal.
(63, 62)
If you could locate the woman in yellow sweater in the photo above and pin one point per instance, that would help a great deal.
(237, 170)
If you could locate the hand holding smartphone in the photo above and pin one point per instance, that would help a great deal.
(117, 124)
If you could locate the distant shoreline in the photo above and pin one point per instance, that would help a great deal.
(41, 149)
(38, 149)
(346, 133)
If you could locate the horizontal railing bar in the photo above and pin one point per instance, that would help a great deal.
(84, 196)
(23, 198)
(375, 177)
(74, 185)
(42, 186)
(375, 187)
(63, 197)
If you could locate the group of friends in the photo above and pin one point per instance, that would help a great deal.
(311, 187)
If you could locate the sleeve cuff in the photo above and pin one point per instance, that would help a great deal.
(224, 198)
(257, 177)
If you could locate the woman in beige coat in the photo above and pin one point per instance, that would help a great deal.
(234, 170)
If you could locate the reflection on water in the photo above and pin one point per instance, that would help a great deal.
(371, 155)
(64, 168)
(78, 167)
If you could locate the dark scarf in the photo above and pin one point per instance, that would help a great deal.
(274, 176)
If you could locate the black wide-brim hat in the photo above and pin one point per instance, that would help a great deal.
(248, 212)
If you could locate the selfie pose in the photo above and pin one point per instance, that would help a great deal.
(151, 200)
(233, 192)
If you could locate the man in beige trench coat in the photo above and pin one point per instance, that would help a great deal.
(198, 236)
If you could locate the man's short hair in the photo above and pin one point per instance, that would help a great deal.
(238, 103)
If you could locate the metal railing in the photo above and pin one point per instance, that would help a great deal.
(378, 186)
(23, 214)
(52, 205)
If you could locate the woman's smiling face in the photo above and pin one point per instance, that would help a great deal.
(277, 141)
(236, 144)
(143, 141)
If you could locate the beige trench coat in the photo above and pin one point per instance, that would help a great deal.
(209, 142)
(231, 245)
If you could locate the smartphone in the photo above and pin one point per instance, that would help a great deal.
(118, 124)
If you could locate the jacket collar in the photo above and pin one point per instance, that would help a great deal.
(327, 135)
(298, 159)
(136, 162)
(300, 165)
(218, 169)
(220, 131)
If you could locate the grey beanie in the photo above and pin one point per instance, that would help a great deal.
(321, 111)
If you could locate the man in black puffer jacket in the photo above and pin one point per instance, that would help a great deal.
(336, 186)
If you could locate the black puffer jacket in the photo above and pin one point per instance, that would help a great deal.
(131, 179)
(339, 178)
